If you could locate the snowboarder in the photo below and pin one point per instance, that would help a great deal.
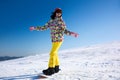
(58, 29)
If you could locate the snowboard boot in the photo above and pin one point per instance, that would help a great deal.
(56, 69)
(49, 71)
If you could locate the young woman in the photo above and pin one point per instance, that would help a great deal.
(58, 29)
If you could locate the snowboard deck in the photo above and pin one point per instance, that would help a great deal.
(42, 76)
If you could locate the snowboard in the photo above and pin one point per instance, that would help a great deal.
(43, 76)
(40, 76)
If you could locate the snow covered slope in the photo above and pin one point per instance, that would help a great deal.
(98, 62)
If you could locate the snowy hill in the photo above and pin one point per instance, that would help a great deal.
(98, 62)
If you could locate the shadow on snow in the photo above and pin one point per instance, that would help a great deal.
(22, 77)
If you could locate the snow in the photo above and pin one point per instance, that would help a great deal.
(97, 62)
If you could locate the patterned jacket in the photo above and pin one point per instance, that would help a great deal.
(57, 28)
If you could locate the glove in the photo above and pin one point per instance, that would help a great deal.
(74, 34)
(32, 28)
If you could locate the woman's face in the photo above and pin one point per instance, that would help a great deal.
(58, 14)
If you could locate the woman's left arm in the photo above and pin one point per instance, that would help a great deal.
(67, 32)
(63, 28)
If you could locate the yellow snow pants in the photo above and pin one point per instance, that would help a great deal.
(54, 59)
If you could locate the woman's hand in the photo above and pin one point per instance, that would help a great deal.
(74, 34)
(32, 28)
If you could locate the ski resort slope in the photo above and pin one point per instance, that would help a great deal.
(97, 62)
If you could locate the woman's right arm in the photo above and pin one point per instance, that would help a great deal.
(41, 28)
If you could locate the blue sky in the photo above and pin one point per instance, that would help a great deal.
(97, 21)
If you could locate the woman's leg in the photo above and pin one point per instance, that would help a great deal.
(54, 60)
(53, 65)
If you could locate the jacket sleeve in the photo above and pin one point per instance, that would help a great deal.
(63, 26)
(67, 32)
(45, 27)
